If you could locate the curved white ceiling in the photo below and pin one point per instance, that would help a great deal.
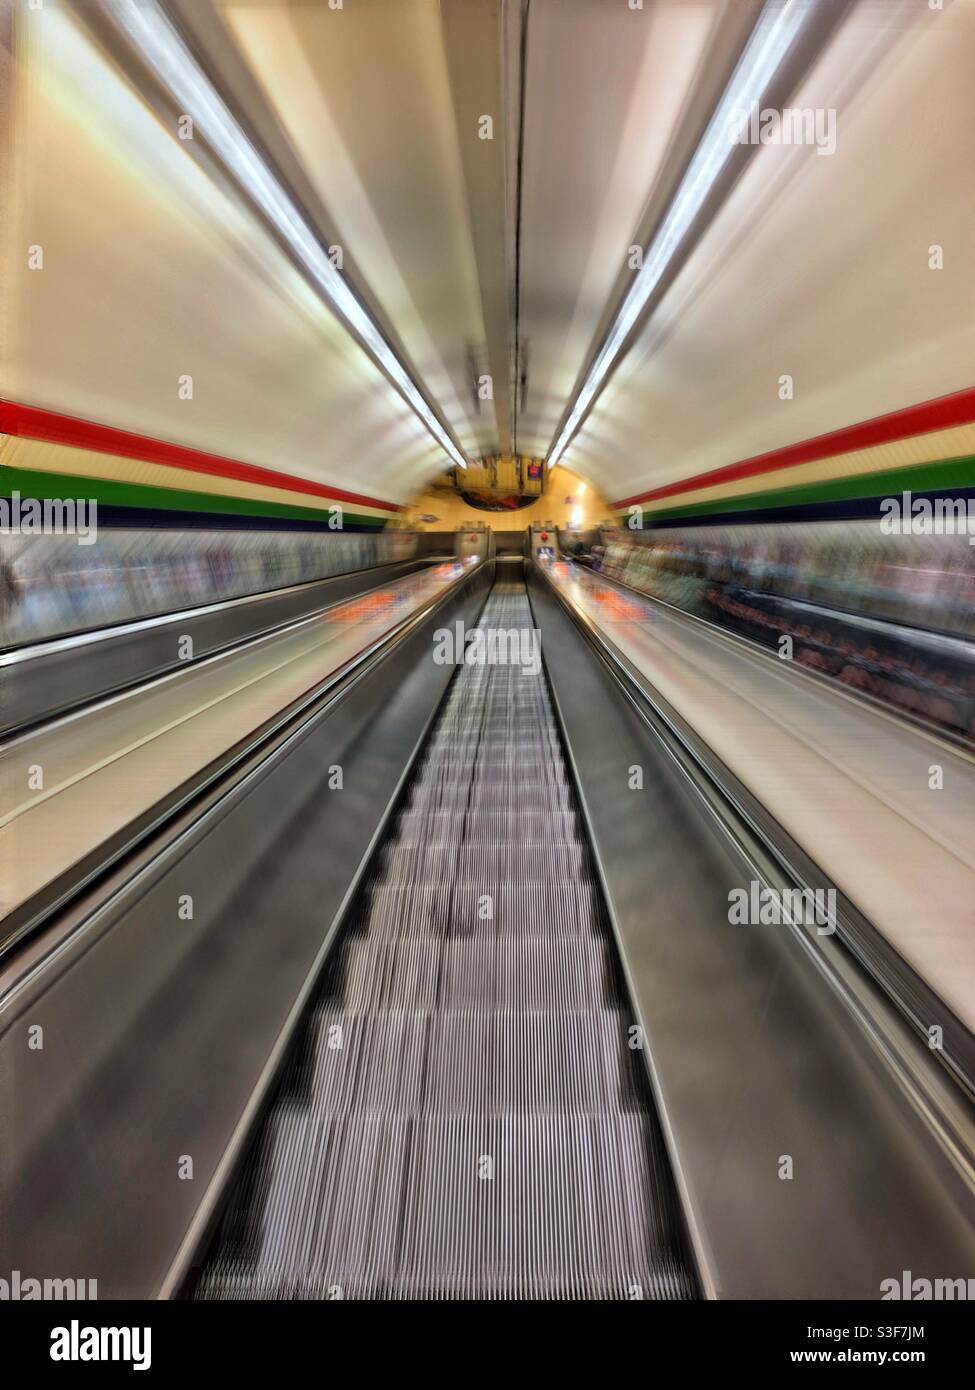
(155, 265)
(816, 267)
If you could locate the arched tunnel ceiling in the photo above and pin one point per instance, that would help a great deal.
(495, 257)
(364, 99)
(816, 267)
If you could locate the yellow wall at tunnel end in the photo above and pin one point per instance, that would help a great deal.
(451, 511)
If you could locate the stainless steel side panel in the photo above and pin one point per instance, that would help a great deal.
(44, 680)
(754, 1056)
(158, 1030)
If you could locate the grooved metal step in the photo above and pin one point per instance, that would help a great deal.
(466, 1115)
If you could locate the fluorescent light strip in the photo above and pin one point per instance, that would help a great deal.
(159, 43)
(774, 31)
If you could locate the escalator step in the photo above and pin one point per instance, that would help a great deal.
(465, 1115)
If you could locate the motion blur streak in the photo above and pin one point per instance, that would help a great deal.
(777, 27)
(489, 813)
(154, 270)
(158, 41)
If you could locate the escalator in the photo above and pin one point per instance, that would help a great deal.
(421, 1034)
(466, 1112)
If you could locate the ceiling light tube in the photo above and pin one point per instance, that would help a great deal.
(156, 39)
(772, 37)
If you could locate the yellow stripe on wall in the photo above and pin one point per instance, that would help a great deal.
(46, 457)
(957, 442)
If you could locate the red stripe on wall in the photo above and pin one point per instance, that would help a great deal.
(939, 414)
(31, 422)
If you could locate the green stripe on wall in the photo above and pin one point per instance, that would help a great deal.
(111, 493)
(941, 475)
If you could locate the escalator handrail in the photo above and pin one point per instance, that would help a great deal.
(264, 742)
(940, 1087)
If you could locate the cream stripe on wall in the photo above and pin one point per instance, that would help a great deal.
(902, 453)
(46, 457)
